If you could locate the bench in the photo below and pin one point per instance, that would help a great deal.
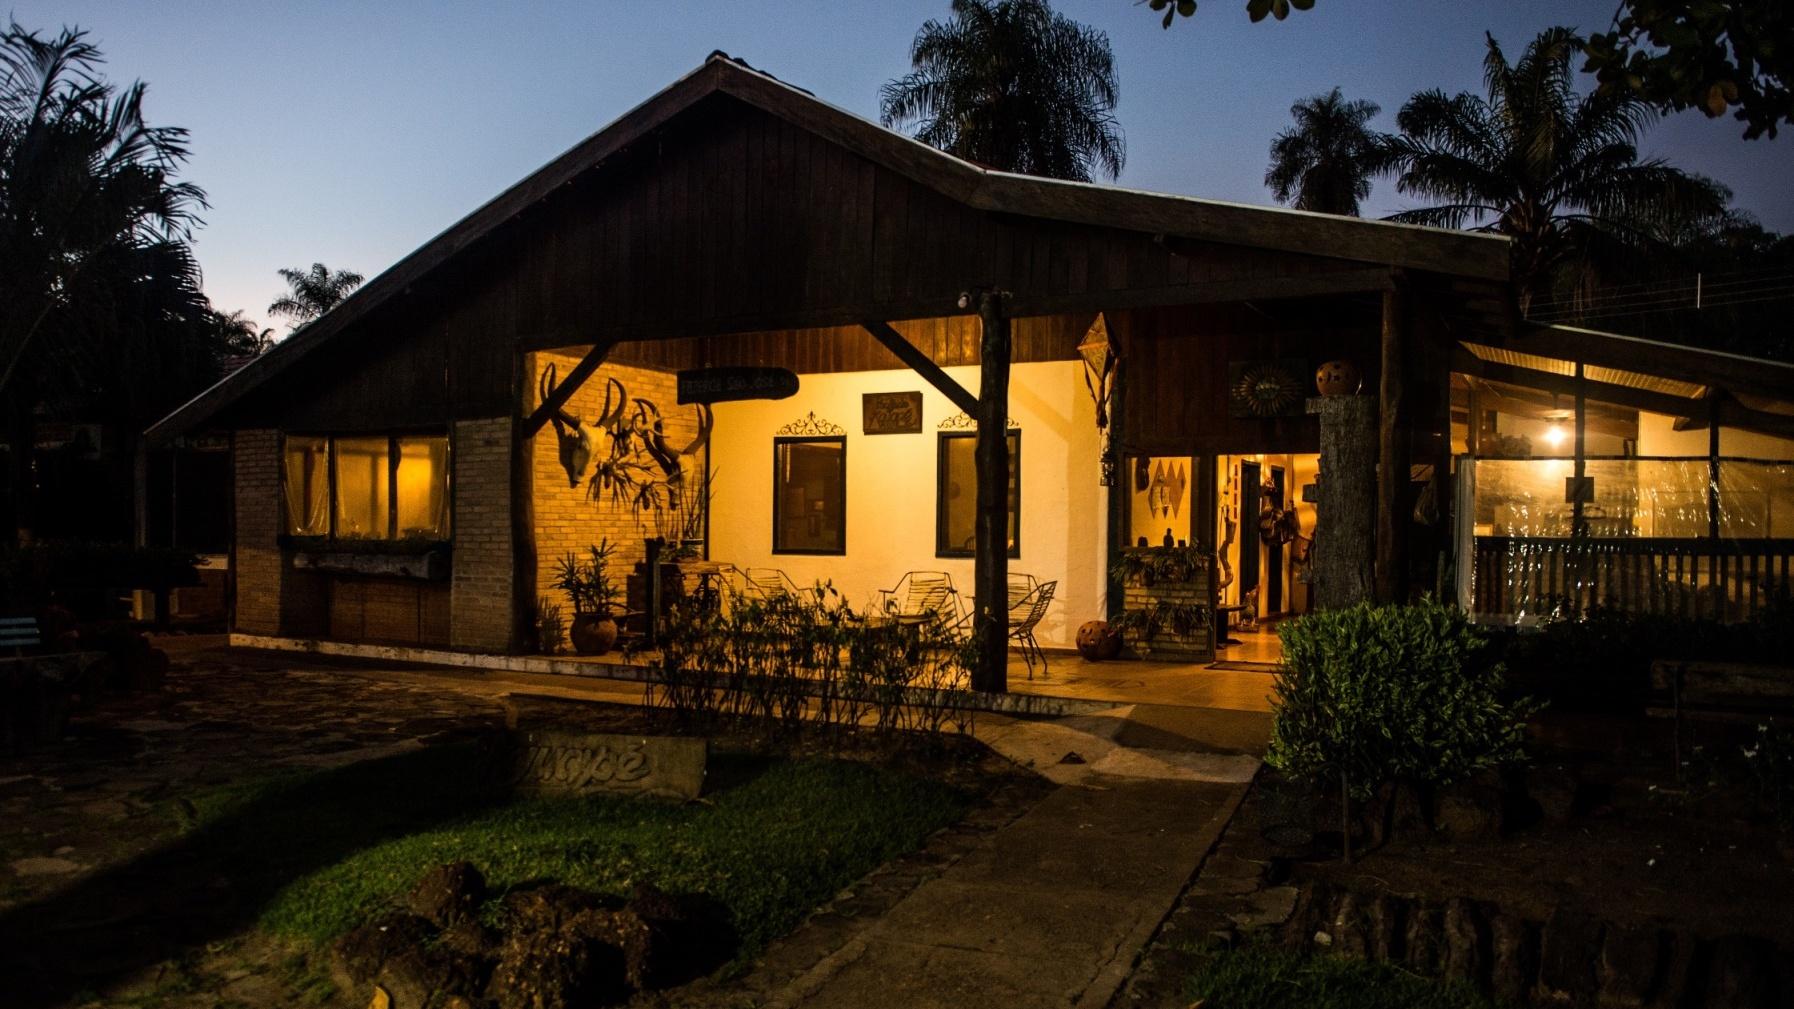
(1719, 691)
(19, 633)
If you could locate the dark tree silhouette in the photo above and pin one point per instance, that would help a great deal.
(95, 269)
(1012, 85)
(1326, 160)
(313, 292)
(1557, 172)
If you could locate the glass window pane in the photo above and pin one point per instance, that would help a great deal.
(362, 486)
(423, 488)
(956, 490)
(810, 496)
(306, 475)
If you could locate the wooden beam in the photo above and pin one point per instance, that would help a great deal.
(1630, 353)
(1297, 285)
(1565, 385)
(1393, 507)
(924, 366)
(990, 573)
(569, 385)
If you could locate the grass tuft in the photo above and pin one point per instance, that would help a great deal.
(1262, 977)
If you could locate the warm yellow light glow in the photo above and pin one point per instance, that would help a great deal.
(1555, 435)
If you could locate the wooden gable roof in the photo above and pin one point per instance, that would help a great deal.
(683, 234)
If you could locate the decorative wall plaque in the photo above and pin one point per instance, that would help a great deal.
(1274, 388)
(892, 412)
(556, 762)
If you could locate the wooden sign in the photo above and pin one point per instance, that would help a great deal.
(559, 762)
(721, 385)
(892, 412)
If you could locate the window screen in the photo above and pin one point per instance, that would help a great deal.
(366, 488)
(809, 500)
(421, 488)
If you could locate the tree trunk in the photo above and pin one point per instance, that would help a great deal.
(21, 441)
(991, 546)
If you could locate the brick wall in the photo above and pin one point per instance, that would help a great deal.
(256, 470)
(480, 599)
(567, 518)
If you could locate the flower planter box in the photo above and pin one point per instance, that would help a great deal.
(1167, 644)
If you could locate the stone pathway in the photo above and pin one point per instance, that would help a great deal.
(1051, 911)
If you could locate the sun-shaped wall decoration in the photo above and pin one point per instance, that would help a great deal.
(1264, 389)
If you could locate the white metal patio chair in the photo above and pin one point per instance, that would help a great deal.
(1024, 617)
(921, 596)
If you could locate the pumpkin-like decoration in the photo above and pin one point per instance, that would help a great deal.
(1098, 642)
(1338, 378)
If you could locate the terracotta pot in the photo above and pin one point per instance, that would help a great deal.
(1098, 642)
(593, 633)
(1338, 378)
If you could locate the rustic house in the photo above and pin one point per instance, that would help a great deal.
(995, 374)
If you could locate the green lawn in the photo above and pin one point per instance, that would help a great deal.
(1256, 977)
(773, 840)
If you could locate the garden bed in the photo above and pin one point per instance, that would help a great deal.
(231, 883)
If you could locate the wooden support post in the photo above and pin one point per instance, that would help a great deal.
(1119, 497)
(568, 386)
(924, 365)
(991, 567)
(1715, 559)
(1393, 467)
(1577, 574)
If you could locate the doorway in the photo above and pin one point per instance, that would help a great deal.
(1264, 529)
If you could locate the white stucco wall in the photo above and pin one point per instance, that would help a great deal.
(891, 488)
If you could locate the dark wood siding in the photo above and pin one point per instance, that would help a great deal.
(1175, 370)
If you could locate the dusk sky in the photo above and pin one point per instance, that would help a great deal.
(351, 133)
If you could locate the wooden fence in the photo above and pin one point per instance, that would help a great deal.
(1541, 576)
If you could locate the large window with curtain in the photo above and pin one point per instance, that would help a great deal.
(367, 487)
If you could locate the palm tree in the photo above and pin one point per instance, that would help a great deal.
(92, 223)
(237, 335)
(313, 292)
(1325, 162)
(1556, 171)
(1012, 85)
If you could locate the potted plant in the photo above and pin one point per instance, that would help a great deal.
(594, 597)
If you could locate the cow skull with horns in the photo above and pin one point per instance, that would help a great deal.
(579, 442)
(650, 428)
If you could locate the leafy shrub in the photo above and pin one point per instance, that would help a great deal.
(551, 627)
(808, 658)
(1770, 758)
(1390, 693)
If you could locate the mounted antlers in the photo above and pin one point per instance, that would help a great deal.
(578, 442)
(651, 429)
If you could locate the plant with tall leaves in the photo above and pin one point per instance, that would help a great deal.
(1326, 160)
(93, 238)
(1556, 171)
(1012, 85)
(313, 292)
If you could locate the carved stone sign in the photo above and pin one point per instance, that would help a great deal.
(720, 385)
(558, 762)
(892, 412)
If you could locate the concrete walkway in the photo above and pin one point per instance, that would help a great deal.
(1051, 911)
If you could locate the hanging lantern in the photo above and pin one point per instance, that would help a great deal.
(1100, 358)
